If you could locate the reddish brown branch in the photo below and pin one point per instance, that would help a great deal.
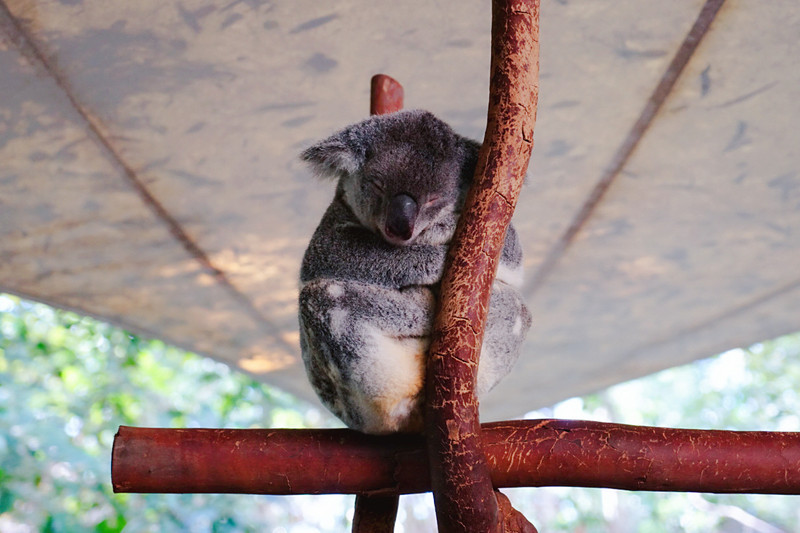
(526, 453)
(462, 487)
(374, 514)
(386, 95)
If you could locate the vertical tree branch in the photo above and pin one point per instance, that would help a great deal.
(463, 492)
(377, 513)
(386, 95)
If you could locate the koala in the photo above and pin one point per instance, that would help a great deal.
(370, 275)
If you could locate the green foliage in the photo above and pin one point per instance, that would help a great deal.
(67, 382)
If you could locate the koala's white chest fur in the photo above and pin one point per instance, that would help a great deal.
(392, 382)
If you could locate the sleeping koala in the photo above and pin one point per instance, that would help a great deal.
(371, 273)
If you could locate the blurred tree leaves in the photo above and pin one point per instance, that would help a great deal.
(67, 382)
(755, 388)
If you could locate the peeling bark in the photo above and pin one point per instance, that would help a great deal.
(462, 487)
(523, 453)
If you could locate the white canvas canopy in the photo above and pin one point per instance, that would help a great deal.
(149, 172)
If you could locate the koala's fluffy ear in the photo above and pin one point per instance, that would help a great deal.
(336, 156)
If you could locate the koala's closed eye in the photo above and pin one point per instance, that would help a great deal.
(375, 261)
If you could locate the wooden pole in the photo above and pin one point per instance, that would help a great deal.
(386, 95)
(523, 453)
(462, 487)
(376, 513)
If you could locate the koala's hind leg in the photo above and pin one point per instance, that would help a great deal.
(506, 326)
(364, 349)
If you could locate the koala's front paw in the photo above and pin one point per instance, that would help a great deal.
(430, 271)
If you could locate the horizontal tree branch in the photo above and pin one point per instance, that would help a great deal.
(521, 453)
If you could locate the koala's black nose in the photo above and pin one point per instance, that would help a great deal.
(401, 216)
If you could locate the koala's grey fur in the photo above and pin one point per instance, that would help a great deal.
(371, 272)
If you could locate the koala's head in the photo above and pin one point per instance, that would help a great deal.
(404, 175)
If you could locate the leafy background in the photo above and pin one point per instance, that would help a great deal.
(67, 382)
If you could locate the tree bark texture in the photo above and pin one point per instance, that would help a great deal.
(375, 514)
(524, 453)
(386, 95)
(460, 477)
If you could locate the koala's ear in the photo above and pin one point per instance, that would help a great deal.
(334, 157)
